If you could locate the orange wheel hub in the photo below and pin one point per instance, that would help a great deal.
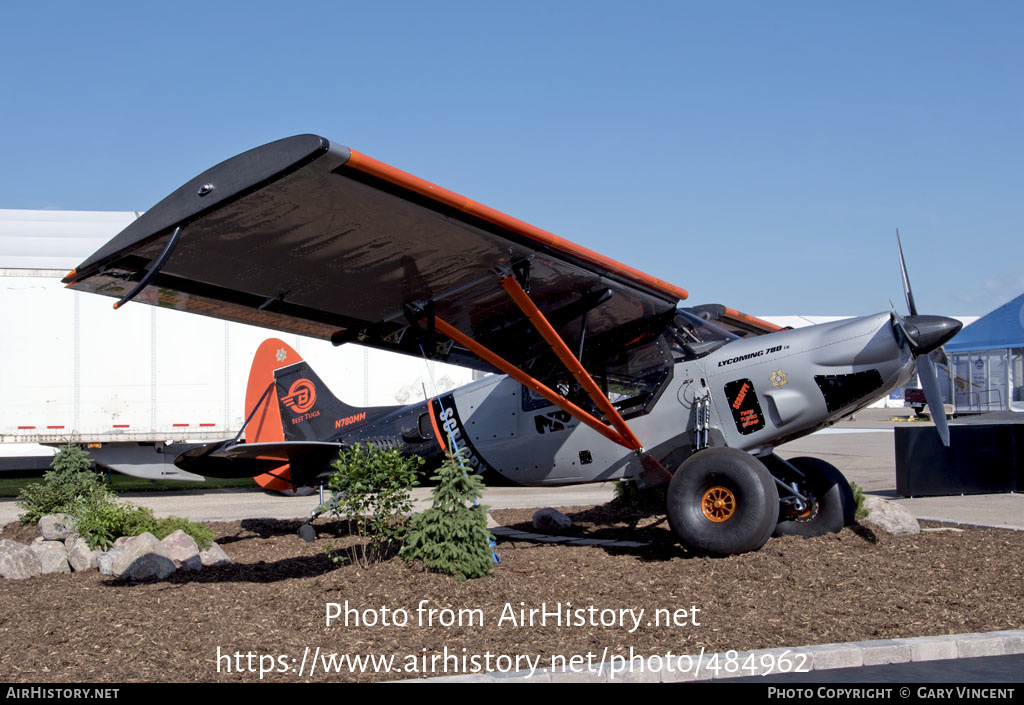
(718, 504)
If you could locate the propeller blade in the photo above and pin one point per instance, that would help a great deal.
(911, 306)
(924, 335)
(928, 375)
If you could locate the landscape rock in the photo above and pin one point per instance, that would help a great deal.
(143, 557)
(17, 561)
(80, 556)
(53, 557)
(550, 520)
(105, 560)
(890, 517)
(57, 527)
(214, 555)
(183, 550)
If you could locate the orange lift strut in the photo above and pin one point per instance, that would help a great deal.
(575, 367)
(517, 374)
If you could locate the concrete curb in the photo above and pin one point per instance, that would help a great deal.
(722, 666)
(971, 524)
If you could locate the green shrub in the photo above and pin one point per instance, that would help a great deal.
(71, 487)
(168, 525)
(451, 537)
(861, 512)
(372, 489)
(629, 495)
(101, 523)
(70, 482)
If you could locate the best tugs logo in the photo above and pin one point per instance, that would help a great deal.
(301, 396)
(300, 399)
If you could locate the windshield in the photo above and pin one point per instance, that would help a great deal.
(694, 337)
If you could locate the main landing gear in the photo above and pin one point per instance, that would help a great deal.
(723, 501)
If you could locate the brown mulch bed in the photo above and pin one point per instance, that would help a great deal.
(271, 602)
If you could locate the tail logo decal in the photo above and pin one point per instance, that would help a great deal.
(301, 396)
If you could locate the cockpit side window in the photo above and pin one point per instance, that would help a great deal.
(632, 377)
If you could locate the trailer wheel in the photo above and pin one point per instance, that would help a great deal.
(722, 501)
(832, 501)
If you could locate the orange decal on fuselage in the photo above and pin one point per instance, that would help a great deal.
(741, 396)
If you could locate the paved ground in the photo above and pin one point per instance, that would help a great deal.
(862, 449)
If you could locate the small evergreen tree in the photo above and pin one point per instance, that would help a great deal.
(68, 483)
(70, 459)
(861, 512)
(451, 537)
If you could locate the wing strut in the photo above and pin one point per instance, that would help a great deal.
(558, 346)
(517, 374)
(157, 266)
(620, 433)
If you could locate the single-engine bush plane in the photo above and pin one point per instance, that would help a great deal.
(601, 373)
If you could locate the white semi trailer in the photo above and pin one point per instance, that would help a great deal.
(140, 384)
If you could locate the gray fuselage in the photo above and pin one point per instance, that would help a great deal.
(751, 394)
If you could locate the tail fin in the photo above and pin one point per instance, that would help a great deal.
(286, 401)
(308, 409)
(262, 409)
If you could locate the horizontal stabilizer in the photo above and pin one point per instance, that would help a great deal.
(234, 460)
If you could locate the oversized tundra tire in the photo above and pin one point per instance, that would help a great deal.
(722, 501)
(832, 504)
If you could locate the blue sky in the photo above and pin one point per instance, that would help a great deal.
(759, 154)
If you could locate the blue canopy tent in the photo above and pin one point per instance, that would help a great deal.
(988, 360)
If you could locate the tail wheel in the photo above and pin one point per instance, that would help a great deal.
(788, 512)
(721, 502)
(831, 500)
